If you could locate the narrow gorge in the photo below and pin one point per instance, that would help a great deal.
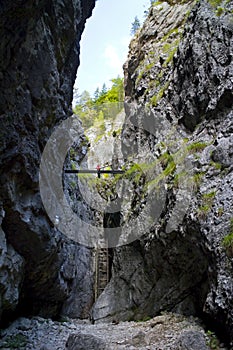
(169, 225)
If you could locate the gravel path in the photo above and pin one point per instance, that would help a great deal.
(168, 331)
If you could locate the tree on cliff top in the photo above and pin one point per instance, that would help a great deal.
(105, 104)
(135, 26)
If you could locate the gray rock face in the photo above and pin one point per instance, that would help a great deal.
(39, 55)
(11, 272)
(178, 80)
(205, 56)
(161, 277)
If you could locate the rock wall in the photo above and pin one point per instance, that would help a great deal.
(178, 83)
(179, 86)
(39, 56)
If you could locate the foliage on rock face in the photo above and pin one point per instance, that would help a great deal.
(152, 81)
(206, 204)
(212, 340)
(220, 6)
(227, 241)
(105, 104)
(171, 71)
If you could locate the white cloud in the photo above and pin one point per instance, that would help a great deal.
(113, 58)
(125, 41)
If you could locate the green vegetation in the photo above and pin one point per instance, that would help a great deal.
(216, 165)
(73, 166)
(73, 150)
(171, 32)
(105, 104)
(143, 71)
(155, 99)
(212, 341)
(170, 42)
(116, 132)
(209, 197)
(171, 54)
(167, 49)
(203, 210)
(144, 319)
(207, 203)
(166, 170)
(196, 147)
(196, 179)
(179, 177)
(106, 185)
(134, 173)
(219, 11)
(106, 188)
(220, 211)
(170, 49)
(170, 163)
(16, 341)
(169, 166)
(227, 241)
(155, 3)
(215, 3)
(135, 26)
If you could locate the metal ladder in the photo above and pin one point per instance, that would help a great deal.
(101, 270)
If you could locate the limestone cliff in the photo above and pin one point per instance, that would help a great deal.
(177, 146)
(39, 56)
(179, 95)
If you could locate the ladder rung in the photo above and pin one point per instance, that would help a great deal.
(102, 269)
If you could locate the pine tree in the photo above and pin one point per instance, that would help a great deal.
(135, 26)
(103, 90)
(96, 94)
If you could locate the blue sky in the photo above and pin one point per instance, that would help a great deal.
(104, 44)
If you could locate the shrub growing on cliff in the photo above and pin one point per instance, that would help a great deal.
(227, 241)
(196, 147)
(212, 341)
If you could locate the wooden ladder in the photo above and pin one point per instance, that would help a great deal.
(101, 270)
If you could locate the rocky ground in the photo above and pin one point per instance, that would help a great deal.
(168, 331)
